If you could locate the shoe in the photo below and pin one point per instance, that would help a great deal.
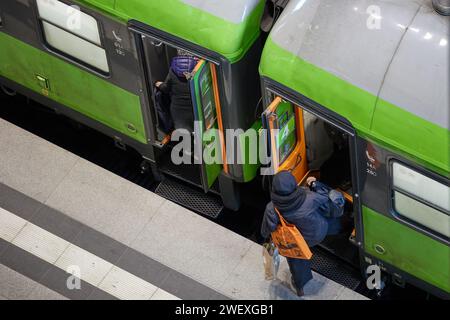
(298, 291)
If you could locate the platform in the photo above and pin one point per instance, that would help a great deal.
(59, 212)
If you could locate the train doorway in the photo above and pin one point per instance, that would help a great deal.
(191, 152)
(309, 145)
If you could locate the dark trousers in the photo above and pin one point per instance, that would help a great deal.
(183, 117)
(301, 271)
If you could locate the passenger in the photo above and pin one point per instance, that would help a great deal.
(165, 121)
(315, 212)
(177, 86)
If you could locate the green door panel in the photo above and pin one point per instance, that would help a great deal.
(203, 100)
(251, 162)
(407, 249)
(212, 156)
(72, 87)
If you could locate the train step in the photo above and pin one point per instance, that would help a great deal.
(191, 198)
(334, 269)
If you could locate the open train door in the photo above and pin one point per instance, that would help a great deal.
(285, 137)
(209, 139)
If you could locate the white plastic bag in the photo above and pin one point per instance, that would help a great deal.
(271, 259)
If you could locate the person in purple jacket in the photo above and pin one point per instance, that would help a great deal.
(177, 86)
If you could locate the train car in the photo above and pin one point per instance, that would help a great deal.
(360, 90)
(96, 61)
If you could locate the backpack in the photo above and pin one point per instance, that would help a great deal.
(289, 241)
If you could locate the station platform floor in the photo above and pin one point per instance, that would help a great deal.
(60, 214)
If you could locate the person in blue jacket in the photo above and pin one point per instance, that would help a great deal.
(316, 212)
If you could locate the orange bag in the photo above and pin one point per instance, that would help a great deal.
(289, 240)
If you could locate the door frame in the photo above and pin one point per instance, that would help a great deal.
(140, 32)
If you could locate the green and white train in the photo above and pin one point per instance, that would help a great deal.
(376, 71)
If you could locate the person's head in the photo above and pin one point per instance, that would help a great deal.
(284, 183)
(183, 65)
(286, 194)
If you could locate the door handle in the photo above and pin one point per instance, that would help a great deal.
(156, 44)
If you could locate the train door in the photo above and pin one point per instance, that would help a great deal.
(205, 101)
(285, 137)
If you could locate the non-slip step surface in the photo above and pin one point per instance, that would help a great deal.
(191, 198)
(325, 265)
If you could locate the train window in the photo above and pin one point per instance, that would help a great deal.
(72, 32)
(287, 137)
(421, 199)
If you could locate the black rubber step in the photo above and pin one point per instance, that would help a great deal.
(193, 199)
(332, 268)
(188, 173)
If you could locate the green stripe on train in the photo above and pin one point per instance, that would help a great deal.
(231, 40)
(72, 87)
(192, 24)
(407, 249)
(392, 126)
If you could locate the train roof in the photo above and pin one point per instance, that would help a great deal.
(228, 27)
(384, 66)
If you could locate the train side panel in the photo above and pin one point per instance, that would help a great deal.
(407, 249)
(418, 249)
(112, 100)
(72, 87)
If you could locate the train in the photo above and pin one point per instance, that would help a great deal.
(354, 92)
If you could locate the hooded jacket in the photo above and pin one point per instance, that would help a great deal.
(299, 206)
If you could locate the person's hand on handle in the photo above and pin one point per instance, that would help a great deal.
(310, 180)
(158, 84)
